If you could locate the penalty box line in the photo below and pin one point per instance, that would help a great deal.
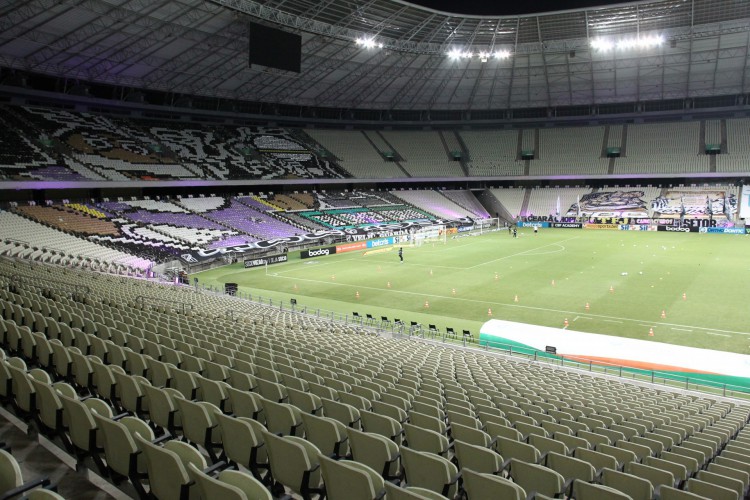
(603, 317)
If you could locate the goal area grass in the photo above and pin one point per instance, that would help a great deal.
(691, 289)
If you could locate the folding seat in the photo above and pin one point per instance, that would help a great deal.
(523, 452)
(433, 410)
(229, 485)
(214, 392)
(282, 418)
(82, 371)
(121, 452)
(50, 408)
(428, 422)
(599, 460)
(167, 468)
(592, 491)
(294, 464)
(11, 481)
(376, 451)
(323, 391)
(23, 394)
(722, 480)
(305, 401)
(546, 445)
(678, 471)
(728, 471)
(162, 408)
(243, 443)
(429, 471)
(570, 468)
(482, 485)
(710, 490)
(130, 393)
(640, 450)
(658, 477)
(534, 478)
(572, 442)
(346, 479)
(358, 402)
(426, 440)
(383, 425)
(200, 425)
(636, 487)
(246, 404)
(185, 382)
(61, 360)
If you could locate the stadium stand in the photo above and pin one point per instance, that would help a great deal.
(467, 201)
(222, 372)
(511, 198)
(737, 157)
(434, 203)
(492, 152)
(671, 147)
(570, 151)
(356, 154)
(543, 201)
(423, 153)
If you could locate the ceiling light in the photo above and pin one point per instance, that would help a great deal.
(369, 43)
(502, 54)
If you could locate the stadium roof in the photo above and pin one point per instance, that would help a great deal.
(657, 50)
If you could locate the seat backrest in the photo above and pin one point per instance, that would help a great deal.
(723, 481)
(10, 472)
(250, 486)
(533, 477)
(378, 452)
(291, 458)
(479, 485)
(583, 490)
(570, 467)
(346, 479)
(598, 459)
(430, 471)
(510, 448)
(425, 440)
(477, 458)
(709, 490)
(381, 424)
(633, 486)
(677, 470)
(327, 434)
(657, 477)
(213, 488)
(166, 472)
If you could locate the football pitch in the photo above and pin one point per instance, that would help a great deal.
(608, 282)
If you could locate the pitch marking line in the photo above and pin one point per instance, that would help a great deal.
(612, 321)
(521, 253)
(502, 304)
(718, 334)
(682, 329)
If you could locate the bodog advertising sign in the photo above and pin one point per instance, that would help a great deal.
(317, 252)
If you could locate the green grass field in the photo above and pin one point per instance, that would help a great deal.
(489, 271)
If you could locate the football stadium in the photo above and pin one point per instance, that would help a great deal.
(283, 249)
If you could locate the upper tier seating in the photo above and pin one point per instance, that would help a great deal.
(356, 154)
(492, 152)
(662, 148)
(737, 158)
(511, 199)
(569, 150)
(423, 153)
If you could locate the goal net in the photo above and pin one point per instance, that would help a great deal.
(430, 234)
(482, 226)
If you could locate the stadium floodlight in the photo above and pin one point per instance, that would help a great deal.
(501, 54)
(456, 54)
(628, 43)
(369, 43)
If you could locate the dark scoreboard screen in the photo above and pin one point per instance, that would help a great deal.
(275, 48)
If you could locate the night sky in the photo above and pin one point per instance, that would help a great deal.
(505, 7)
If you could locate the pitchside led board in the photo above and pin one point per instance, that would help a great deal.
(275, 48)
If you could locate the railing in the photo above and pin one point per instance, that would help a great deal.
(416, 331)
(656, 377)
(182, 307)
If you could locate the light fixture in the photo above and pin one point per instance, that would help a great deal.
(482, 55)
(369, 43)
(628, 43)
(501, 54)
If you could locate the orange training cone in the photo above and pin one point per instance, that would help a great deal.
(650, 332)
(566, 322)
(389, 284)
(496, 277)
(357, 294)
(333, 277)
(684, 296)
(515, 299)
(587, 306)
(663, 314)
(553, 282)
(453, 291)
(426, 304)
(611, 288)
(489, 312)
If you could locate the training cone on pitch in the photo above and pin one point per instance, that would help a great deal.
(515, 299)
(430, 272)
(295, 287)
(650, 332)
(496, 277)
(553, 282)
(565, 323)
(389, 284)
(611, 288)
(663, 314)
(489, 312)
(588, 306)
(357, 294)
(684, 296)
(333, 277)
(426, 304)
(453, 291)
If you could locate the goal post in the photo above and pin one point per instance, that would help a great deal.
(482, 226)
(430, 234)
